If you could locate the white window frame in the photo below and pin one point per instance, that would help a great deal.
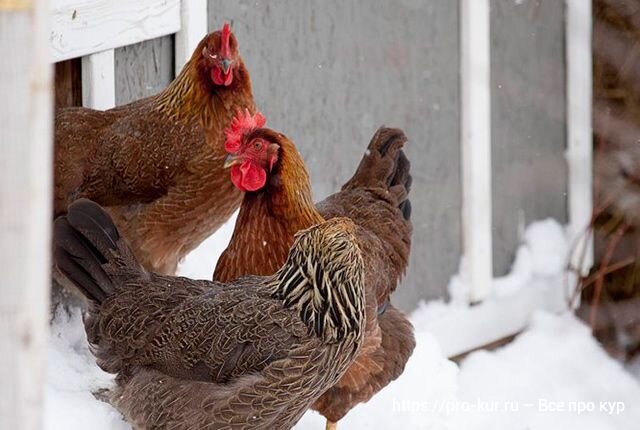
(92, 29)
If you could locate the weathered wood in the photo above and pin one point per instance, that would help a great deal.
(143, 69)
(25, 210)
(68, 84)
(98, 80)
(81, 27)
(528, 120)
(476, 146)
(329, 73)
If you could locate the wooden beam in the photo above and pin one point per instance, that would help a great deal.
(579, 129)
(83, 27)
(98, 80)
(491, 346)
(193, 17)
(25, 209)
(476, 147)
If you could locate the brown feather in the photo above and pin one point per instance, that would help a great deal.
(198, 354)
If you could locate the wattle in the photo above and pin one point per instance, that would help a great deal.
(219, 78)
(248, 176)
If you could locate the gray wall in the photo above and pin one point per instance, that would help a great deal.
(329, 73)
(143, 69)
(528, 119)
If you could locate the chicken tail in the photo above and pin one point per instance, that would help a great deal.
(386, 165)
(88, 251)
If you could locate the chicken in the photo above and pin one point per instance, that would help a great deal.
(278, 203)
(252, 354)
(156, 163)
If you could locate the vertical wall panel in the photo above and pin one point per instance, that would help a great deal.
(329, 73)
(143, 69)
(528, 119)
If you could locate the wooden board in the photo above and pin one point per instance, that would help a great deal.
(579, 127)
(98, 80)
(328, 74)
(81, 27)
(143, 69)
(193, 18)
(476, 146)
(528, 120)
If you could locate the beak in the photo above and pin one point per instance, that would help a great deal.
(226, 65)
(231, 160)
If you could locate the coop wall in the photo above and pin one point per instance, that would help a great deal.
(329, 73)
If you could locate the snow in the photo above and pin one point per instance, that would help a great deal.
(72, 375)
(542, 256)
(554, 375)
(537, 281)
(554, 363)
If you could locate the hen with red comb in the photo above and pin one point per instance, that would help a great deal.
(242, 124)
(157, 164)
(248, 161)
(280, 204)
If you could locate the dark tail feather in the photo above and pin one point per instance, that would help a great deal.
(86, 245)
(386, 164)
(401, 184)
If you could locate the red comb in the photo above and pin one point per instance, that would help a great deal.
(225, 50)
(243, 123)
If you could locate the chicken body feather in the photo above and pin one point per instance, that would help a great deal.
(189, 354)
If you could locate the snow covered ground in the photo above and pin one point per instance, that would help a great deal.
(554, 375)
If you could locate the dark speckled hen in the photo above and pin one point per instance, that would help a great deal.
(251, 354)
(156, 163)
(278, 203)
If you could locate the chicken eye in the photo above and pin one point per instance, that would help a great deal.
(257, 144)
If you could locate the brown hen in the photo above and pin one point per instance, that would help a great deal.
(252, 354)
(156, 163)
(278, 203)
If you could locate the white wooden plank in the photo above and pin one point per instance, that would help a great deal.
(98, 80)
(579, 128)
(82, 27)
(25, 209)
(193, 15)
(476, 146)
